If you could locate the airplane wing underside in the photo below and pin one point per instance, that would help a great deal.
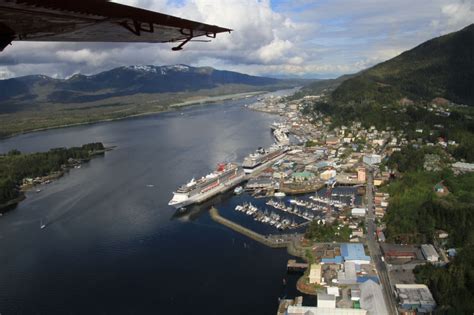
(93, 21)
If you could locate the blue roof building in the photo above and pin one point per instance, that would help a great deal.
(350, 252)
(336, 260)
(354, 252)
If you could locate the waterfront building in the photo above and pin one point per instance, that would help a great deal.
(415, 297)
(302, 176)
(260, 183)
(326, 300)
(351, 252)
(315, 273)
(328, 174)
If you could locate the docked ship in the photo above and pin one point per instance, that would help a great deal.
(277, 125)
(222, 179)
(281, 137)
(260, 157)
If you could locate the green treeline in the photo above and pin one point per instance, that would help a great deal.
(441, 67)
(321, 232)
(415, 213)
(15, 166)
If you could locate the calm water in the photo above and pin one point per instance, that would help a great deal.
(113, 246)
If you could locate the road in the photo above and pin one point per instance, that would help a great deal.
(374, 248)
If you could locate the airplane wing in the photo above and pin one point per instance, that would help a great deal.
(94, 21)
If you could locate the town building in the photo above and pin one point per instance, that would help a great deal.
(326, 300)
(349, 275)
(463, 167)
(415, 297)
(333, 290)
(358, 212)
(361, 174)
(372, 159)
(371, 298)
(315, 273)
(429, 252)
(354, 253)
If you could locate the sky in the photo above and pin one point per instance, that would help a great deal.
(278, 38)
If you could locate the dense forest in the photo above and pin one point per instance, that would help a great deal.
(415, 210)
(15, 166)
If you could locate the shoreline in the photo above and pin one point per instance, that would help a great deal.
(24, 188)
(171, 108)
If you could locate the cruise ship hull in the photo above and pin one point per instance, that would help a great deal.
(199, 198)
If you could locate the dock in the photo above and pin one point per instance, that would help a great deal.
(292, 265)
(274, 241)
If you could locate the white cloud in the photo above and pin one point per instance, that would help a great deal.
(300, 37)
(83, 56)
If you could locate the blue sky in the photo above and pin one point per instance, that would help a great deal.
(299, 38)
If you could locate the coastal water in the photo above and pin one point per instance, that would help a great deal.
(113, 246)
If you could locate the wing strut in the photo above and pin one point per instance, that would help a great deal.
(190, 36)
(7, 35)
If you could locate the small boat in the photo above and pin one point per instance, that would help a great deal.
(238, 190)
(38, 191)
(150, 186)
(42, 225)
(280, 194)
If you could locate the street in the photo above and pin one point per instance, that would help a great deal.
(374, 247)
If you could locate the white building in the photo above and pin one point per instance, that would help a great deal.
(333, 291)
(315, 273)
(429, 252)
(326, 300)
(371, 298)
(372, 159)
(358, 212)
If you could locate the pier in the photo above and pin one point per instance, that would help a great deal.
(274, 241)
(292, 265)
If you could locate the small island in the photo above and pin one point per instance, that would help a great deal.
(22, 171)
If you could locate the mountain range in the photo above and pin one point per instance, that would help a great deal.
(123, 81)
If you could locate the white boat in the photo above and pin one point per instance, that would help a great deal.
(280, 194)
(238, 190)
(42, 225)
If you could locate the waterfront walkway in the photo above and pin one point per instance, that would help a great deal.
(275, 241)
